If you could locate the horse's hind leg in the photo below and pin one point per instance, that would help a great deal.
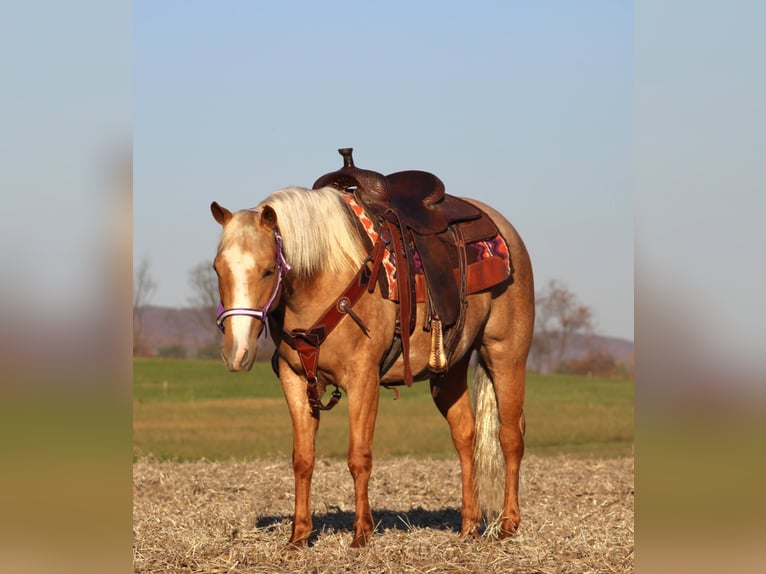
(450, 393)
(504, 358)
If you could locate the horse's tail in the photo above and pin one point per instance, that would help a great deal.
(488, 459)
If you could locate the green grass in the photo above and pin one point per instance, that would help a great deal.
(190, 410)
(579, 415)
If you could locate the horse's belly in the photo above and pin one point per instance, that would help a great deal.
(420, 341)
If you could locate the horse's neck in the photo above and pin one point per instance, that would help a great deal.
(309, 300)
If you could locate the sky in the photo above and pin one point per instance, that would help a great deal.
(527, 106)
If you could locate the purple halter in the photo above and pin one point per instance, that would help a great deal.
(282, 267)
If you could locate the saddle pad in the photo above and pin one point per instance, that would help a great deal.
(488, 261)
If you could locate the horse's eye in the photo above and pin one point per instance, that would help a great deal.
(268, 272)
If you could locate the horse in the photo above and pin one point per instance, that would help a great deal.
(282, 264)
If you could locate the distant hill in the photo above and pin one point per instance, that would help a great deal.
(620, 349)
(165, 326)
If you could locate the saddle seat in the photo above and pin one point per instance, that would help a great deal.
(418, 197)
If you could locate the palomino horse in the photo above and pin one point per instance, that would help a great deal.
(285, 263)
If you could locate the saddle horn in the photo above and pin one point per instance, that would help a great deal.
(372, 184)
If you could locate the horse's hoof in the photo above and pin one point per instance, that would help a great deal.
(506, 531)
(469, 533)
(294, 545)
(360, 541)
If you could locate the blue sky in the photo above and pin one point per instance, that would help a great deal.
(527, 106)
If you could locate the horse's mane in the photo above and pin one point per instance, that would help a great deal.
(317, 230)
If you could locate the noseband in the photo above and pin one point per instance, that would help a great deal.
(282, 267)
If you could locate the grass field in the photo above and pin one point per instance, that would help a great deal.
(192, 410)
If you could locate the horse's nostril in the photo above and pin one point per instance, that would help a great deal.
(243, 360)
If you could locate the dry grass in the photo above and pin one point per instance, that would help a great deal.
(577, 516)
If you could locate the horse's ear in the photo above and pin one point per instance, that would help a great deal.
(220, 213)
(268, 217)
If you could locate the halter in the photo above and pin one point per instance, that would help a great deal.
(282, 267)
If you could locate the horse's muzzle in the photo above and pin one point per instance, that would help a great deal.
(243, 360)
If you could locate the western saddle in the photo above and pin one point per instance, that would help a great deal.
(435, 225)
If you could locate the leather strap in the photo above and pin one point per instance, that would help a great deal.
(405, 278)
(457, 329)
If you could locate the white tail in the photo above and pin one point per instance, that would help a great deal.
(488, 459)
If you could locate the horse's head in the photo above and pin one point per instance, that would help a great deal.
(250, 268)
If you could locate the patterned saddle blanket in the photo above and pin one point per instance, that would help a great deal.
(487, 262)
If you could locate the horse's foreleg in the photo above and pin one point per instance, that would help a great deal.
(450, 394)
(303, 469)
(305, 426)
(363, 395)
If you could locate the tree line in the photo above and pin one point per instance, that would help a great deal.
(203, 302)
